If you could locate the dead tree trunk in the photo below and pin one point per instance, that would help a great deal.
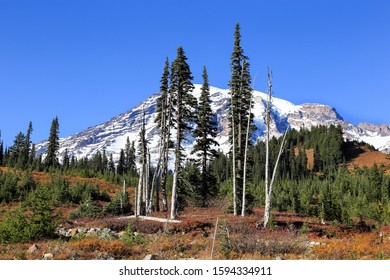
(234, 162)
(246, 153)
(140, 191)
(267, 122)
(268, 187)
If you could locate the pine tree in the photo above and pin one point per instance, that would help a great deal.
(25, 152)
(121, 163)
(1, 150)
(163, 121)
(31, 156)
(51, 159)
(130, 166)
(16, 151)
(205, 132)
(104, 162)
(66, 160)
(111, 165)
(184, 102)
(240, 91)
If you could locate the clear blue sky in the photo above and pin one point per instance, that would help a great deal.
(87, 61)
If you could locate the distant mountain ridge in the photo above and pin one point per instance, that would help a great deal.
(111, 135)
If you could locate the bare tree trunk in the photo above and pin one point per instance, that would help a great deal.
(157, 172)
(277, 161)
(164, 167)
(267, 207)
(175, 185)
(139, 195)
(151, 188)
(215, 235)
(234, 162)
(246, 153)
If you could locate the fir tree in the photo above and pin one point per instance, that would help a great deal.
(16, 151)
(121, 163)
(25, 152)
(51, 159)
(1, 150)
(184, 102)
(105, 162)
(66, 160)
(205, 132)
(163, 121)
(111, 165)
(130, 166)
(240, 91)
(31, 156)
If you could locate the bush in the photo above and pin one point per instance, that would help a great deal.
(14, 227)
(132, 238)
(88, 209)
(42, 221)
(119, 205)
(9, 190)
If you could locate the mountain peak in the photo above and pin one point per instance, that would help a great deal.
(111, 135)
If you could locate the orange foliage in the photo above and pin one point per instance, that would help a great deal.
(360, 246)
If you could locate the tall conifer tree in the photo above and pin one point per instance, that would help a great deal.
(111, 165)
(240, 91)
(16, 151)
(163, 121)
(130, 157)
(205, 132)
(51, 159)
(24, 152)
(1, 150)
(184, 102)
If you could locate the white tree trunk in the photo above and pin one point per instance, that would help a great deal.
(175, 185)
(139, 195)
(267, 208)
(246, 153)
(234, 163)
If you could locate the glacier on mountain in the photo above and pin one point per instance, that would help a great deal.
(112, 134)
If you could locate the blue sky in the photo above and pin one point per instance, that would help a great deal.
(87, 61)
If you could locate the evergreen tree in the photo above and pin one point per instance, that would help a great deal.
(184, 102)
(121, 163)
(240, 91)
(205, 132)
(1, 150)
(130, 166)
(25, 153)
(16, 151)
(66, 160)
(31, 156)
(104, 162)
(111, 166)
(51, 159)
(163, 121)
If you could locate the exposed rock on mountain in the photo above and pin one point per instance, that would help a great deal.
(112, 134)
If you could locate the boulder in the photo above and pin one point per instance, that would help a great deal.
(33, 249)
(47, 256)
(151, 257)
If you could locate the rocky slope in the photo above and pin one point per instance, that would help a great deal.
(112, 134)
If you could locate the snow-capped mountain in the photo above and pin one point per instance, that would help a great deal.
(112, 134)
